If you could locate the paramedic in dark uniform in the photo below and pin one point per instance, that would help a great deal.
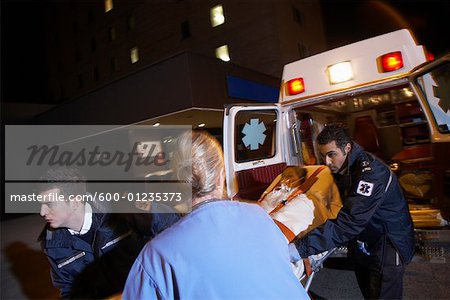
(374, 221)
(90, 252)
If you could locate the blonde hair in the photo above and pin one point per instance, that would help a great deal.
(198, 160)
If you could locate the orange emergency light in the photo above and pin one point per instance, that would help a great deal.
(390, 62)
(295, 86)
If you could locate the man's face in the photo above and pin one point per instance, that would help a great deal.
(56, 213)
(333, 156)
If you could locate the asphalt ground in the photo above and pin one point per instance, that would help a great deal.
(25, 271)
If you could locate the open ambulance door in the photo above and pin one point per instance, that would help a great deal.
(255, 148)
(431, 83)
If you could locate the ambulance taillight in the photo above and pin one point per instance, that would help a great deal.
(295, 86)
(390, 62)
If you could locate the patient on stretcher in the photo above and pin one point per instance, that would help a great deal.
(301, 198)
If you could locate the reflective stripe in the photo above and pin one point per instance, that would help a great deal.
(72, 259)
(389, 183)
(116, 239)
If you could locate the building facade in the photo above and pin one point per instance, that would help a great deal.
(91, 44)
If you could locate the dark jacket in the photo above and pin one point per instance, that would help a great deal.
(99, 267)
(91, 269)
(375, 212)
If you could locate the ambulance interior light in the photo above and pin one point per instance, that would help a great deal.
(340, 72)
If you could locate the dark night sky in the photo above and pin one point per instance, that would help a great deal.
(349, 21)
(23, 53)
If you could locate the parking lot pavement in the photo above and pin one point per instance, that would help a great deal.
(426, 277)
(25, 271)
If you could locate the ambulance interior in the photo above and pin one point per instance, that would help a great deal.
(390, 124)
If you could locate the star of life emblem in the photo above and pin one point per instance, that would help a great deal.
(254, 134)
(364, 188)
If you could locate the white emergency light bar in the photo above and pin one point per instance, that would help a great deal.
(340, 72)
(365, 62)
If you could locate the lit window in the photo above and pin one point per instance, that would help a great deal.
(222, 53)
(134, 55)
(217, 17)
(108, 5)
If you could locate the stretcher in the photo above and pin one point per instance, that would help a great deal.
(302, 209)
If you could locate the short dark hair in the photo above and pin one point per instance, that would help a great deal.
(334, 132)
(69, 181)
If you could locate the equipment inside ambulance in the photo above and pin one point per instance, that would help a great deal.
(395, 104)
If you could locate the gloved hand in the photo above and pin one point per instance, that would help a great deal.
(293, 253)
(296, 261)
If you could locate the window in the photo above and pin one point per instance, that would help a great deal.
(80, 81)
(131, 23)
(75, 28)
(222, 53)
(91, 16)
(77, 54)
(134, 55)
(108, 5)
(111, 34)
(297, 15)
(255, 134)
(56, 40)
(96, 73)
(185, 30)
(62, 92)
(435, 88)
(303, 50)
(93, 45)
(217, 16)
(113, 62)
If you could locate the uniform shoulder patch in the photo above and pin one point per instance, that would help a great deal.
(364, 188)
(365, 166)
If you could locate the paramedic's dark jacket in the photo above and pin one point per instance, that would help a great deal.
(96, 264)
(375, 212)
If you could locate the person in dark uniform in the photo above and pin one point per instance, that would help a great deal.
(90, 252)
(374, 221)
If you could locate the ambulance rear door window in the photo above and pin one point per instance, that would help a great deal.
(255, 135)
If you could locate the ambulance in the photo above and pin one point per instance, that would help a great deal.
(394, 101)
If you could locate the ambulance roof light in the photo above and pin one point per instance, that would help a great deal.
(340, 72)
(390, 62)
(295, 86)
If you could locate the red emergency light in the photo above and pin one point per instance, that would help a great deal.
(295, 86)
(391, 61)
